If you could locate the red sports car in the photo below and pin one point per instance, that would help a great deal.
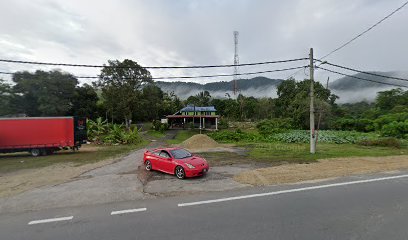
(177, 161)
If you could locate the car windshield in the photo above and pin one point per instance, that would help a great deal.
(180, 153)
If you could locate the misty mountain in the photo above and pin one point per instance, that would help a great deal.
(257, 87)
(349, 83)
(347, 88)
(354, 90)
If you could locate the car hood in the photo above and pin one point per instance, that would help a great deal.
(194, 160)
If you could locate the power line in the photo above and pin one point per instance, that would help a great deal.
(359, 71)
(367, 30)
(190, 77)
(356, 37)
(151, 67)
(364, 79)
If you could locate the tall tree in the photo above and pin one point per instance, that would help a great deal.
(293, 100)
(44, 93)
(121, 84)
(84, 102)
(203, 98)
(5, 98)
(387, 100)
(151, 102)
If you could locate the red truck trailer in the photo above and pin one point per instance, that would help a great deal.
(41, 135)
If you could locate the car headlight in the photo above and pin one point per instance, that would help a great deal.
(189, 165)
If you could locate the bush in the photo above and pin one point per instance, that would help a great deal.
(382, 142)
(102, 132)
(389, 118)
(273, 126)
(223, 124)
(395, 129)
(96, 129)
(159, 126)
(350, 124)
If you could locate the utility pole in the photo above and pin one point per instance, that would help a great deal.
(312, 117)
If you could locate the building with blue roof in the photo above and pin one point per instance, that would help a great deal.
(194, 117)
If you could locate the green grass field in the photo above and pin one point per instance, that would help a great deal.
(278, 153)
(87, 154)
(293, 152)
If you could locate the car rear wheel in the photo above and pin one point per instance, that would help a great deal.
(180, 174)
(148, 165)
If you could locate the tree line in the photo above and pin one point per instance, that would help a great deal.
(125, 92)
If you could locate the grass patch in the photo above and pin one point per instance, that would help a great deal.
(299, 152)
(156, 134)
(87, 154)
(182, 135)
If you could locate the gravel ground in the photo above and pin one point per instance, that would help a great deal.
(329, 168)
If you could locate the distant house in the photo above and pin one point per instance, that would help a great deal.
(194, 117)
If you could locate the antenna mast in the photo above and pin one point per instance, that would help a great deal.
(236, 62)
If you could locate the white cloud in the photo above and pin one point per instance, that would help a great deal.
(194, 32)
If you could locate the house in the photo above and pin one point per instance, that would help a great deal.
(194, 117)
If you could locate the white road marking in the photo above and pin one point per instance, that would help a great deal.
(290, 190)
(51, 220)
(128, 211)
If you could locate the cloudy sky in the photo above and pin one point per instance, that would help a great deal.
(200, 32)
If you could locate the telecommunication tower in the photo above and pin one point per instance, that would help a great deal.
(236, 62)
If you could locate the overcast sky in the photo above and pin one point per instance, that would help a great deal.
(200, 32)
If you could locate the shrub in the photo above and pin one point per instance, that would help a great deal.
(382, 142)
(223, 124)
(102, 132)
(273, 126)
(96, 129)
(159, 126)
(132, 136)
(350, 124)
(395, 129)
(389, 118)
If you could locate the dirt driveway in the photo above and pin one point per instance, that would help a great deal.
(107, 181)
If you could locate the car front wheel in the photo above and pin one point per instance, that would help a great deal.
(180, 174)
(148, 165)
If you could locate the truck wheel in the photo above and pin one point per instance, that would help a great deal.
(35, 152)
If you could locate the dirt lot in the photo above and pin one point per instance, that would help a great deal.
(23, 180)
(330, 168)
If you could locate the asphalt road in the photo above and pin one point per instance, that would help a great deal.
(327, 210)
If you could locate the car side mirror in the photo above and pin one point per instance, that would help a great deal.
(169, 159)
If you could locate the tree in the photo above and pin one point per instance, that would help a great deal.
(203, 98)
(121, 84)
(387, 100)
(5, 98)
(293, 101)
(44, 93)
(151, 102)
(171, 104)
(84, 102)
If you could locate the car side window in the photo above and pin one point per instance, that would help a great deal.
(156, 153)
(164, 154)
